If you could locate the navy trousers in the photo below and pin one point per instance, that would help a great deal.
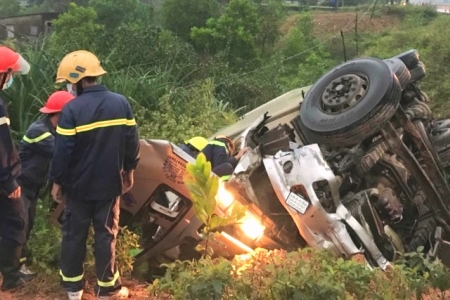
(77, 218)
(13, 224)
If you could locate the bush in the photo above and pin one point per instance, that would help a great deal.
(180, 16)
(183, 113)
(45, 239)
(303, 274)
(76, 29)
(413, 12)
(432, 43)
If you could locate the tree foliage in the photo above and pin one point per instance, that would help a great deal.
(233, 33)
(180, 16)
(271, 17)
(9, 8)
(113, 13)
(76, 29)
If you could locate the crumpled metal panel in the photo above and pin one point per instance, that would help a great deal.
(320, 229)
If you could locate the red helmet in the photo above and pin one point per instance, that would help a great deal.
(12, 62)
(56, 102)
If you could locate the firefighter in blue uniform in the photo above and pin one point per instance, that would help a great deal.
(12, 212)
(96, 153)
(194, 145)
(36, 152)
(220, 152)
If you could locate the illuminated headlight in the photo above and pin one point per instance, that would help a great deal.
(252, 227)
(224, 197)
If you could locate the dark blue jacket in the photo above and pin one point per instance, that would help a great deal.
(9, 158)
(217, 153)
(96, 139)
(36, 152)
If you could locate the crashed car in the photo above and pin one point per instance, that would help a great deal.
(355, 164)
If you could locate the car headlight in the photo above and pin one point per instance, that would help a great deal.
(224, 197)
(249, 224)
(252, 227)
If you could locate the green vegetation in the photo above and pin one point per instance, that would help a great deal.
(191, 69)
(203, 187)
(302, 274)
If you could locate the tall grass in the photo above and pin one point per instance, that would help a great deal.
(145, 88)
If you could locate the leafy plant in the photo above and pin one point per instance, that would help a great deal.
(76, 29)
(203, 187)
(45, 239)
(302, 274)
(184, 112)
(127, 243)
(190, 13)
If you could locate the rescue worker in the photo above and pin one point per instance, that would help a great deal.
(194, 145)
(12, 212)
(36, 152)
(219, 152)
(96, 153)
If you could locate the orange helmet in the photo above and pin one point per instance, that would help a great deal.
(56, 102)
(230, 143)
(12, 62)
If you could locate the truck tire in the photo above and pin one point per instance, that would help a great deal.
(410, 58)
(440, 137)
(426, 139)
(400, 70)
(350, 103)
(424, 97)
(418, 72)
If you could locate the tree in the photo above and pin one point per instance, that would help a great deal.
(233, 33)
(271, 16)
(54, 5)
(76, 29)
(113, 13)
(35, 2)
(180, 16)
(9, 8)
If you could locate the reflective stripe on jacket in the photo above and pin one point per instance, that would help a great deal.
(217, 153)
(36, 152)
(96, 139)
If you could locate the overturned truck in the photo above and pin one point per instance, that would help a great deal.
(355, 164)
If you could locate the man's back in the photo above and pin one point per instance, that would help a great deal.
(36, 152)
(96, 140)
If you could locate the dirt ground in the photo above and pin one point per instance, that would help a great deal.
(327, 23)
(47, 288)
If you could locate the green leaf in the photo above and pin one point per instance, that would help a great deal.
(207, 169)
(216, 222)
(200, 161)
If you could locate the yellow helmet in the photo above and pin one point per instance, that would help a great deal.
(231, 146)
(77, 65)
(197, 142)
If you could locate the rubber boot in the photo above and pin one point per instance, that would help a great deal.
(10, 266)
